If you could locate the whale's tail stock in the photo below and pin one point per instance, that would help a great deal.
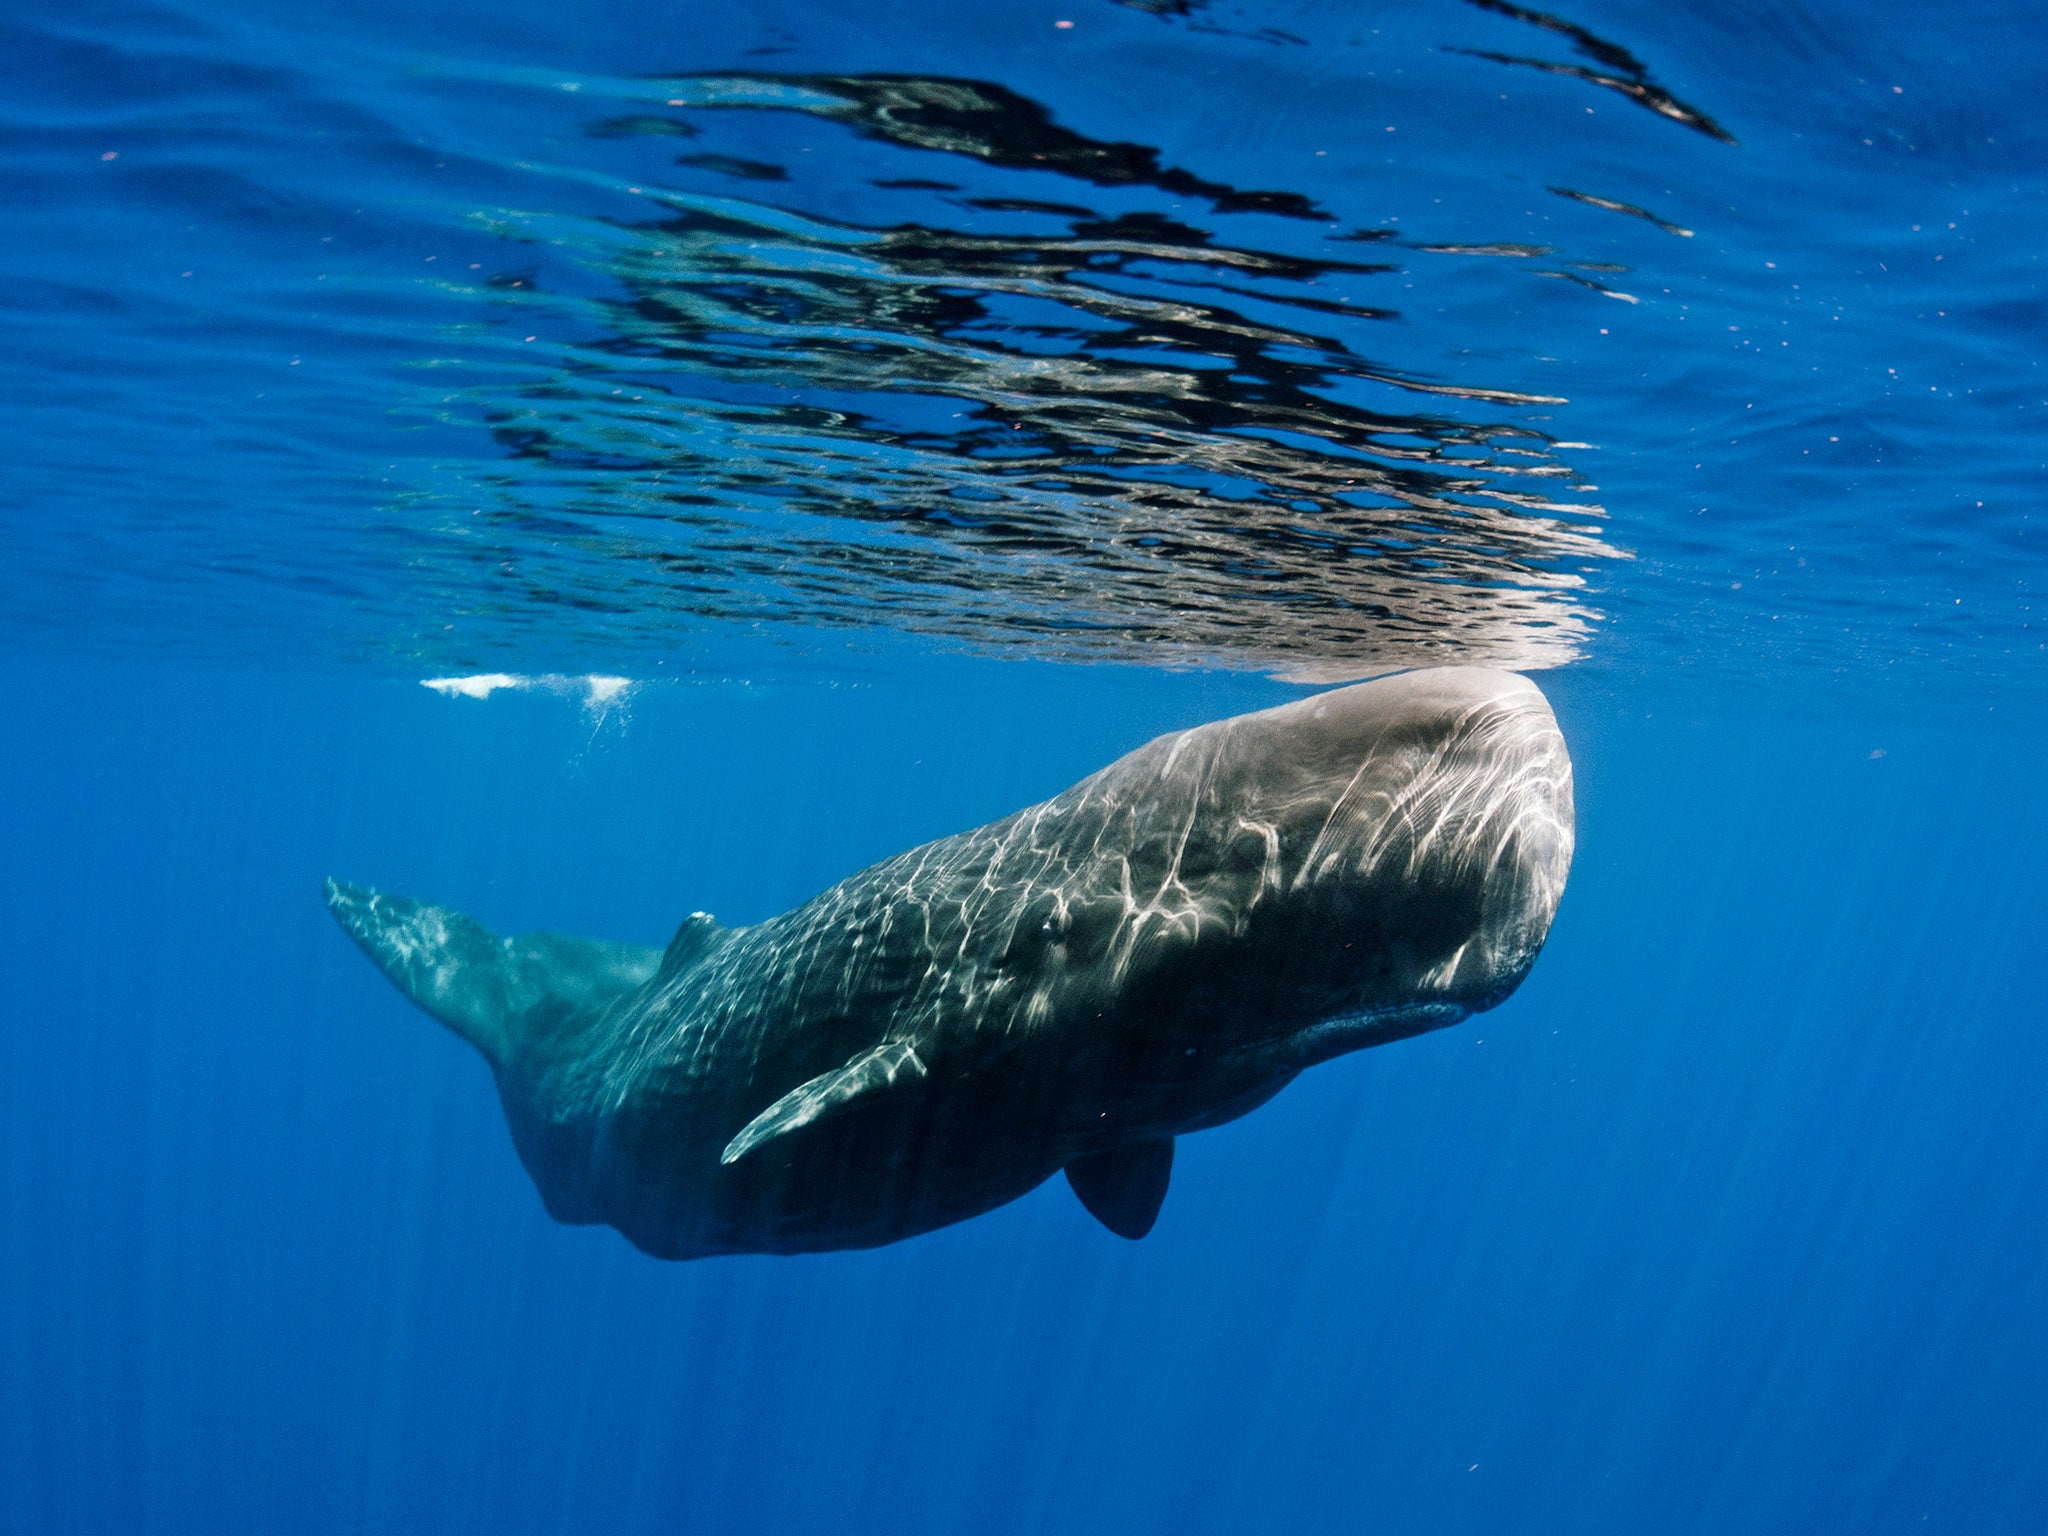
(498, 994)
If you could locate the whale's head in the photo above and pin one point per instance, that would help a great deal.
(1285, 886)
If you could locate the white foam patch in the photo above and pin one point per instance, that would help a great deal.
(596, 692)
(480, 686)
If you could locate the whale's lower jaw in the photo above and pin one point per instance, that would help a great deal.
(1330, 1038)
(1357, 1032)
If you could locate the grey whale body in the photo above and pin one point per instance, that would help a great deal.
(1157, 950)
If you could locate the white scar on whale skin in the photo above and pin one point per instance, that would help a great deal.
(1155, 951)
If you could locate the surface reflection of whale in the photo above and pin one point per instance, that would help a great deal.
(1157, 950)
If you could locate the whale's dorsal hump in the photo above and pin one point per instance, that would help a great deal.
(891, 1064)
(694, 940)
(1124, 1187)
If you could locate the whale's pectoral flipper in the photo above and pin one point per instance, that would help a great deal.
(1124, 1187)
(883, 1066)
(495, 993)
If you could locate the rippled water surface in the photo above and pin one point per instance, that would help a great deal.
(1310, 339)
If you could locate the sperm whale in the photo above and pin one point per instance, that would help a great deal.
(1157, 950)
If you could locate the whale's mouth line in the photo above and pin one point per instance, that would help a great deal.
(1356, 1031)
(1329, 1038)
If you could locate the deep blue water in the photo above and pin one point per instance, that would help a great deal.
(921, 405)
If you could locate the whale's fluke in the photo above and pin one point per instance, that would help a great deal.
(1124, 1188)
(496, 993)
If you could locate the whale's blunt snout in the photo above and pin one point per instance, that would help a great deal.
(1494, 823)
(1525, 815)
(1448, 832)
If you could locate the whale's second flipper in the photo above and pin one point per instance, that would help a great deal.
(498, 994)
(1124, 1187)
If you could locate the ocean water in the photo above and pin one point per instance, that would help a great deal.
(842, 426)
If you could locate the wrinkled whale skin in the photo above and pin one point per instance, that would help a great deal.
(1157, 950)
